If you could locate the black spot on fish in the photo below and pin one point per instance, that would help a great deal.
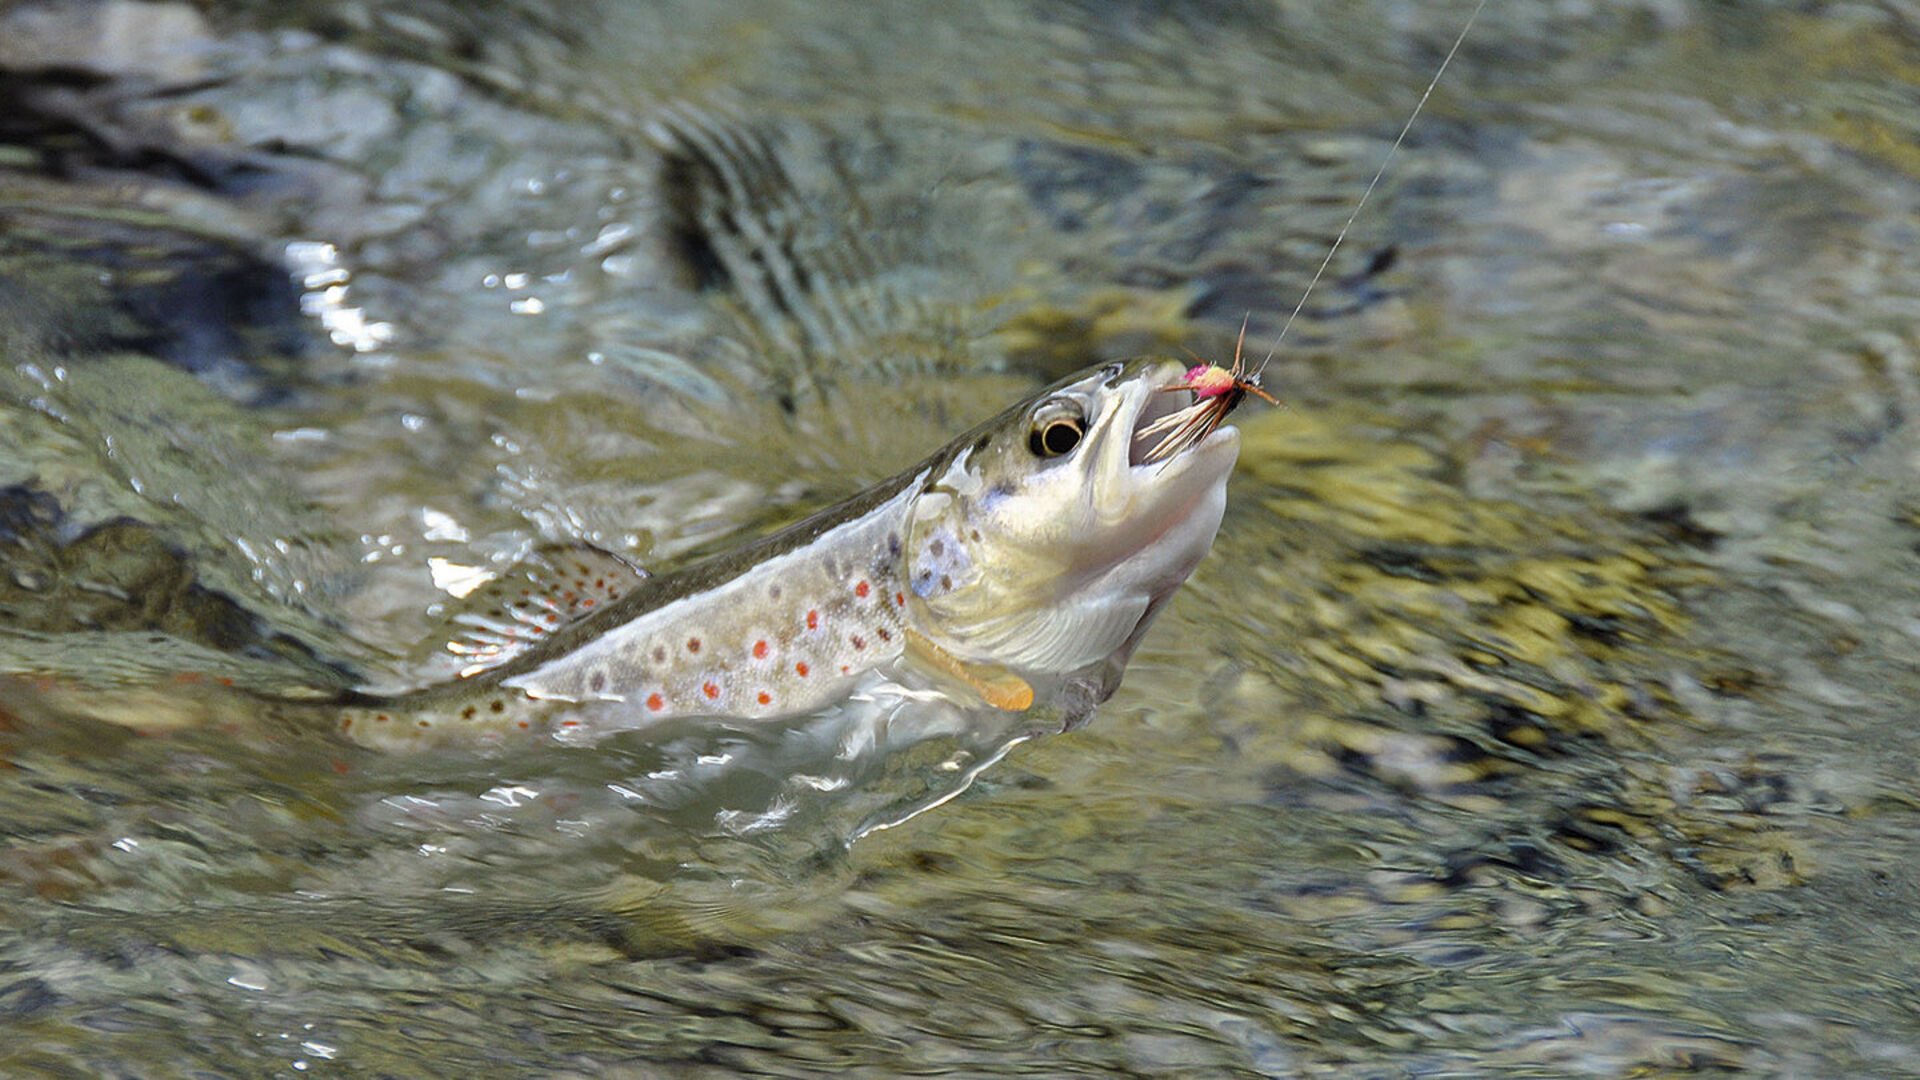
(659, 654)
(946, 583)
(893, 549)
(467, 713)
(937, 547)
(597, 682)
(774, 592)
(497, 706)
(984, 442)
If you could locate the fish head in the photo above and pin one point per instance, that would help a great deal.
(1044, 540)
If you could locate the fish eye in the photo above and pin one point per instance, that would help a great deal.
(1057, 429)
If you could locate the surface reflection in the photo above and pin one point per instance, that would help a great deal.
(1541, 709)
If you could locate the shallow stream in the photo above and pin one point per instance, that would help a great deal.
(1545, 708)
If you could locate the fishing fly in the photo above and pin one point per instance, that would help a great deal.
(1217, 391)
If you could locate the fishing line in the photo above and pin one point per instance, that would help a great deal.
(1371, 184)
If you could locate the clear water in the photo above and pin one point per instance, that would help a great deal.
(1543, 709)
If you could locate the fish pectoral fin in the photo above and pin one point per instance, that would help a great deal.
(997, 686)
(550, 588)
(1060, 637)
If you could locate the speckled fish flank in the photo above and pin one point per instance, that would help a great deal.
(964, 567)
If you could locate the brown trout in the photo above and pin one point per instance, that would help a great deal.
(1019, 565)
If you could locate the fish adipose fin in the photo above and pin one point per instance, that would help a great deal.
(547, 590)
(999, 687)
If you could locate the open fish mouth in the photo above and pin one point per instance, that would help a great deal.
(1172, 419)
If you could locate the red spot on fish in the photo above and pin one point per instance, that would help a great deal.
(187, 678)
(813, 620)
(858, 641)
(586, 603)
(693, 644)
(800, 669)
(766, 698)
(569, 723)
(845, 669)
(341, 767)
(600, 583)
(346, 724)
(860, 590)
(553, 616)
(382, 718)
(759, 650)
(225, 681)
(710, 690)
(656, 702)
(423, 723)
(899, 599)
(524, 725)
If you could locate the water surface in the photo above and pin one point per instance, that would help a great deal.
(1543, 708)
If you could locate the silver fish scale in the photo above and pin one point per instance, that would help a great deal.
(788, 636)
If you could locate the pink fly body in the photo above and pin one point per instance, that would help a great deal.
(1210, 380)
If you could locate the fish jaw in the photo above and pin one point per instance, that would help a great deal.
(1137, 500)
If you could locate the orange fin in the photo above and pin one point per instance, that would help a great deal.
(997, 686)
(547, 590)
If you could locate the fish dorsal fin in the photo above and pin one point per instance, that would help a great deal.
(997, 686)
(550, 588)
